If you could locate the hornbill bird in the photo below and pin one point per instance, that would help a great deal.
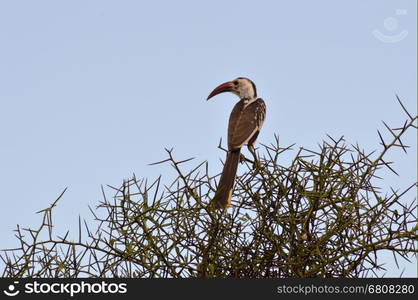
(245, 122)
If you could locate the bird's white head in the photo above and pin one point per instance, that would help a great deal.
(243, 87)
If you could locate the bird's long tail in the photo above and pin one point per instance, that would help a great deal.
(223, 194)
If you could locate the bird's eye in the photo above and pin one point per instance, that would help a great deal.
(235, 82)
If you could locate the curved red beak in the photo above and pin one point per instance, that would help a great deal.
(224, 87)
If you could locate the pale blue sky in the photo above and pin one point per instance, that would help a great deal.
(92, 91)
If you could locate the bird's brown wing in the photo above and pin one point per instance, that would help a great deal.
(245, 122)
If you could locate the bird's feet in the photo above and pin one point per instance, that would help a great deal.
(243, 159)
(255, 162)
